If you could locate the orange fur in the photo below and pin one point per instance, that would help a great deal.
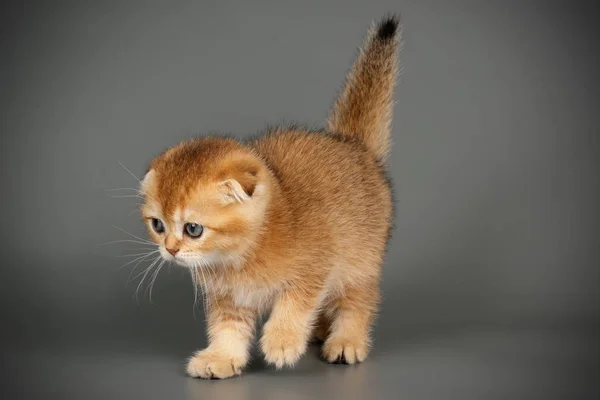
(295, 223)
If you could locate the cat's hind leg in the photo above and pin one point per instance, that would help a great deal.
(353, 314)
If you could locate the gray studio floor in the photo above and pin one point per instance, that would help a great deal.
(467, 364)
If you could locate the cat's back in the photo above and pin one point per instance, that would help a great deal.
(327, 174)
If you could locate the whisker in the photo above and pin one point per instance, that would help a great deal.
(129, 279)
(195, 282)
(202, 292)
(128, 241)
(211, 270)
(153, 279)
(206, 265)
(123, 196)
(138, 254)
(144, 277)
(118, 189)
(133, 236)
(193, 276)
(131, 173)
(141, 258)
(154, 261)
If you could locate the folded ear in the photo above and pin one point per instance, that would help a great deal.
(147, 180)
(238, 189)
(239, 178)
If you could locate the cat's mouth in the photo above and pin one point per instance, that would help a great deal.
(194, 260)
(183, 262)
(175, 259)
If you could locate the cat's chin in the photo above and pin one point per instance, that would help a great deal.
(191, 262)
(181, 263)
(212, 259)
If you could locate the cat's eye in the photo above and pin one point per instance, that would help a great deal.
(157, 225)
(193, 230)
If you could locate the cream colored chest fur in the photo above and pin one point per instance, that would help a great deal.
(259, 298)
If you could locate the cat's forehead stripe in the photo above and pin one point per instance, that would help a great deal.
(179, 222)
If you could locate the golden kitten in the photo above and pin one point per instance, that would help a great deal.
(294, 223)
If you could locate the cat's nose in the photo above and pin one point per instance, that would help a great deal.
(173, 251)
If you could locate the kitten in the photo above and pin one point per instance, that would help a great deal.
(295, 222)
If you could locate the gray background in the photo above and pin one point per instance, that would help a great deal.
(491, 280)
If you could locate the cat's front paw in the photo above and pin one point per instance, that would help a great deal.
(207, 364)
(345, 350)
(282, 347)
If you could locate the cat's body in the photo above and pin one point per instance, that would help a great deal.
(294, 223)
(313, 218)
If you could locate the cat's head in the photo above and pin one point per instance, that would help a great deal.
(205, 201)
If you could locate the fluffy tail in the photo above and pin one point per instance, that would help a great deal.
(364, 107)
